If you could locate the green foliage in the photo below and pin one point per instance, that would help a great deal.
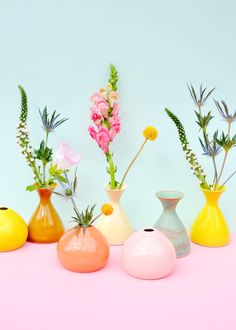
(56, 174)
(43, 153)
(190, 156)
(24, 105)
(225, 142)
(113, 77)
(203, 121)
(85, 218)
(32, 187)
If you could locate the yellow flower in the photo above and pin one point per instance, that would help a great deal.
(107, 209)
(150, 133)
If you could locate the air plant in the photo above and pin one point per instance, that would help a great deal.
(211, 145)
(37, 159)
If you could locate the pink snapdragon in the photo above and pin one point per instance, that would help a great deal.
(104, 113)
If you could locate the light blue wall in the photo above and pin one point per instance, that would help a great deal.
(60, 52)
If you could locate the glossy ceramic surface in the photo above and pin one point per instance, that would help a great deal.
(115, 227)
(170, 224)
(210, 227)
(83, 252)
(45, 225)
(13, 230)
(148, 254)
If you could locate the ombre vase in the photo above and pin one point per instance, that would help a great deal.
(210, 227)
(45, 225)
(115, 227)
(170, 224)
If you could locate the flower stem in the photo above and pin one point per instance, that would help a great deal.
(225, 157)
(132, 162)
(71, 197)
(229, 178)
(112, 170)
(44, 164)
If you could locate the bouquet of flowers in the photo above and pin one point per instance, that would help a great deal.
(211, 145)
(104, 114)
(39, 159)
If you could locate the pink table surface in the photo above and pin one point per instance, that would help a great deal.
(37, 293)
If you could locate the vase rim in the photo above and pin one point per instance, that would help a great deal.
(3, 208)
(214, 191)
(148, 229)
(108, 188)
(176, 194)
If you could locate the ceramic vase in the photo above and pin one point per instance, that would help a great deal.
(13, 230)
(210, 227)
(170, 224)
(83, 251)
(115, 227)
(148, 254)
(45, 225)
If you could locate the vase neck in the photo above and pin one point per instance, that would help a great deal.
(169, 204)
(114, 195)
(44, 195)
(211, 196)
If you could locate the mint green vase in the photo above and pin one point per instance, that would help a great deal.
(170, 224)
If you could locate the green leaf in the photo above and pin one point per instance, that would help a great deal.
(31, 187)
(43, 153)
(113, 77)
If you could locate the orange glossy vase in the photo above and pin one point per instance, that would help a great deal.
(45, 225)
(83, 251)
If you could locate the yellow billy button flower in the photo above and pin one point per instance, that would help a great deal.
(150, 133)
(107, 209)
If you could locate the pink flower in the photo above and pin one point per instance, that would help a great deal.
(92, 132)
(100, 104)
(65, 157)
(103, 138)
(103, 108)
(115, 110)
(113, 96)
(114, 130)
(95, 116)
(96, 97)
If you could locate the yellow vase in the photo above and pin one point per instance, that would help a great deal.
(210, 227)
(13, 230)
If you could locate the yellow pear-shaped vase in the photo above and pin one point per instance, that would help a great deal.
(13, 230)
(210, 227)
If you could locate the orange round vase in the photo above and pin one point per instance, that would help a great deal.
(45, 225)
(83, 251)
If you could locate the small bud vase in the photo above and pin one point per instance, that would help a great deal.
(83, 251)
(148, 254)
(210, 227)
(170, 224)
(115, 227)
(13, 230)
(45, 225)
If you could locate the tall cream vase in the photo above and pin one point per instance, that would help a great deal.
(115, 227)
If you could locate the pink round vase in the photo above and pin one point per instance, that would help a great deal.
(148, 254)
